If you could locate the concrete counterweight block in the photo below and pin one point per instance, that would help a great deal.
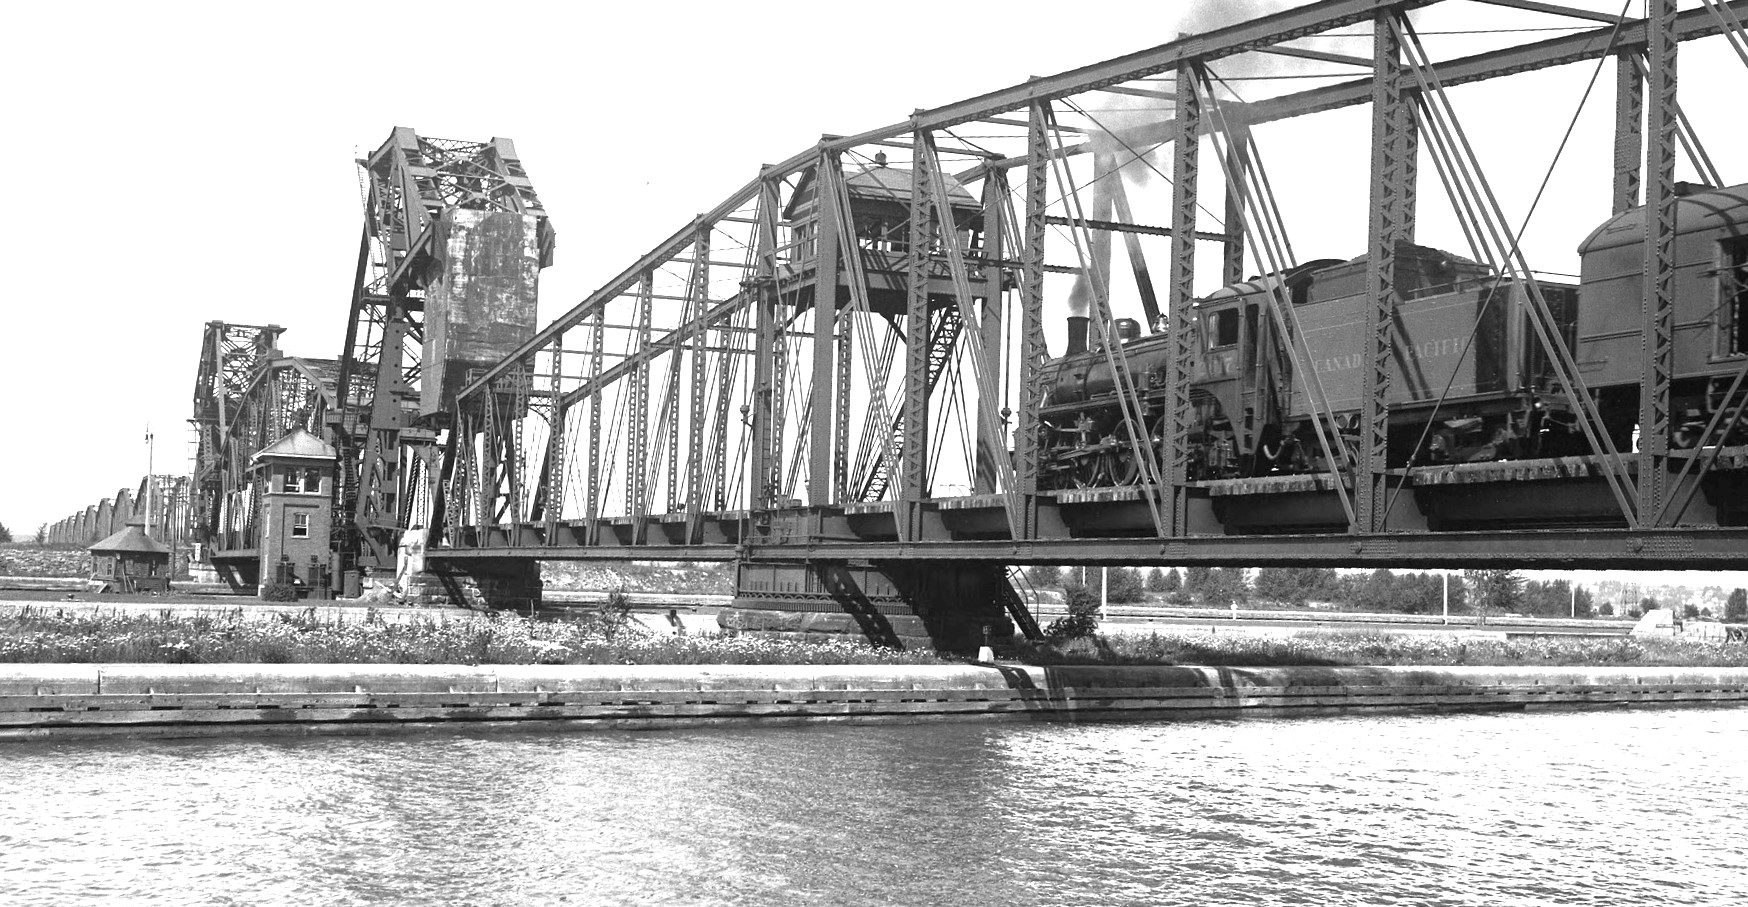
(943, 605)
(510, 584)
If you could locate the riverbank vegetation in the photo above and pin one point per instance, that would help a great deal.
(48, 635)
(1375, 649)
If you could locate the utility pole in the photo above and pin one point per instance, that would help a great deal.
(149, 482)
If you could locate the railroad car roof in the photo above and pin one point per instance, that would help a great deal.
(1698, 209)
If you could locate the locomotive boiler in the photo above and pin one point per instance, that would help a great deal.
(1470, 380)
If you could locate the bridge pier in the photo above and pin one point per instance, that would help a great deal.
(939, 604)
(484, 585)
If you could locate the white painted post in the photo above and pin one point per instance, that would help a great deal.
(1104, 590)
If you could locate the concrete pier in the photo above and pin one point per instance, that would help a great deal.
(49, 701)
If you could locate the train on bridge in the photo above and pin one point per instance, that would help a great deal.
(1469, 382)
(840, 377)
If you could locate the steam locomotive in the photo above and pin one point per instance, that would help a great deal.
(1470, 381)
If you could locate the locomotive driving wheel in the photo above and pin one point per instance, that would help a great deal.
(1122, 462)
(1092, 471)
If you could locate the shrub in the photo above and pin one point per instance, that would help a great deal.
(1082, 619)
(278, 592)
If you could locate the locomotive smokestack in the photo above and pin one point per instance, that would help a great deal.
(1076, 334)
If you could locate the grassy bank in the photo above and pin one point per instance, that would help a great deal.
(47, 636)
(1336, 649)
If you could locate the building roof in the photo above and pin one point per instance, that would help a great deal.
(879, 183)
(132, 539)
(298, 444)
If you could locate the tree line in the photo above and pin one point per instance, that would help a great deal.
(1386, 591)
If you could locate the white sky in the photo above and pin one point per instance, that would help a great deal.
(174, 163)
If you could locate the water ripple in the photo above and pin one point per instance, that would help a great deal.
(1560, 809)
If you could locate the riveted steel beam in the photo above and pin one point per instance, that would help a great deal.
(1658, 364)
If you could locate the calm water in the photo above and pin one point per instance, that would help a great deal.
(1620, 808)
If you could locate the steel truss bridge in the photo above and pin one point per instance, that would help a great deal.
(815, 376)
(835, 376)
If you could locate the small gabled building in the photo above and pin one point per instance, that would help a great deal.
(129, 561)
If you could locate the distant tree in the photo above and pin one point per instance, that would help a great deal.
(1196, 578)
(42, 535)
(1045, 576)
(1278, 584)
(1736, 608)
(5, 535)
(1605, 610)
(1378, 592)
(1493, 591)
(1156, 580)
(1420, 593)
(1173, 580)
(1126, 586)
(1549, 599)
(1586, 603)
(1689, 611)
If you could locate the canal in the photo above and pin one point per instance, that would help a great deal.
(1602, 808)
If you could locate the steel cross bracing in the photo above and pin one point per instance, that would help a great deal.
(800, 404)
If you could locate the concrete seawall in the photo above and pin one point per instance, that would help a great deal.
(50, 701)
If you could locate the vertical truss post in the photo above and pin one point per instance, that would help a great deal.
(1407, 162)
(699, 393)
(522, 381)
(592, 506)
(374, 507)
(1659, 302)
(913, 472)
(991, 445)
(825, 312)
(1390, 114)
(461, 465)
(727, 367)
(841, 399)
(1033, 351)
(1186, 169)
(1629, 118)
(486, 472)
(764, 461)
(553, 473)
(636, 472)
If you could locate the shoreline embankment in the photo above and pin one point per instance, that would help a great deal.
(62, 701)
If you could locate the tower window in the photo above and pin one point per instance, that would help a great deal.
(300, 525)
